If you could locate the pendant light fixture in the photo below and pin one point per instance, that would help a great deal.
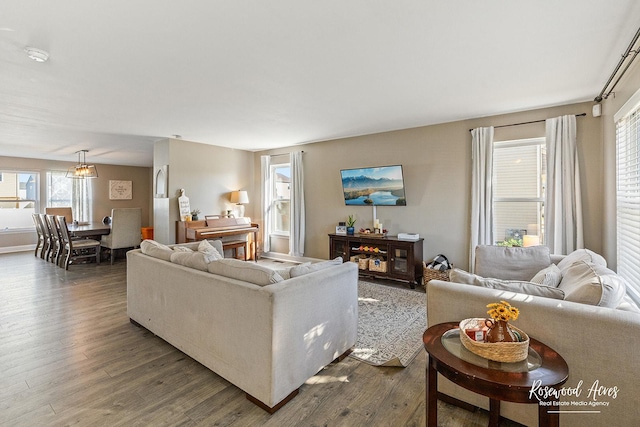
(82, 170)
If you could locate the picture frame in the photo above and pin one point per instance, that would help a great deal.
(341, 229)
(120, 190)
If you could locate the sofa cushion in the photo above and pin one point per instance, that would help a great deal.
(156, 250)
(594, 284)
(210, 253)
(245, 271)
(511, 263)
(306, 268)
(581, 255)
(461, 276)
(189, 259)
(550, 276)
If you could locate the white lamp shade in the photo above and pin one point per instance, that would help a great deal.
(239, 197)
(530, 240)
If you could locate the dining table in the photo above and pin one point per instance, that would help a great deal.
(88, 229)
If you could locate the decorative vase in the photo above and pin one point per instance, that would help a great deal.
(499, 331)
(350, 231)
(194, 217)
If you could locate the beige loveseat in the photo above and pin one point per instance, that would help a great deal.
(266, 338)
(600, 344)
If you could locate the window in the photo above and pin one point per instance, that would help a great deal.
(281, 199)
(59, 189)
(63, 191)
(628, 194)
(519, 172)
(18, 199)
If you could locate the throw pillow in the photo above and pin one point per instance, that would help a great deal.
(511, 263)
(306, 268)
(182, 249)
(581, 255)
(156, 250)
(190, 259)
(593, 284)
(285, 273)
(210, 253)
(528, 288)
(245, 271)
(550, 276)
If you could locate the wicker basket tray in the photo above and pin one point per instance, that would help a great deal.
(499, 351)
(376, 264)
(431, 274)
(361, 260)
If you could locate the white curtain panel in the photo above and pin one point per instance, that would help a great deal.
(265, 162)
(297, 236)
(563, 208)
(481, 190)
(80, 199)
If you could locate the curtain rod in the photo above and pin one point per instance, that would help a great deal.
(527, 123)
(283, 154)
(624, 58)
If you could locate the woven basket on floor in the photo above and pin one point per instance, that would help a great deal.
(431, 274)
(499, 351)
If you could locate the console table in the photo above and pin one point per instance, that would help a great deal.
(397, 259)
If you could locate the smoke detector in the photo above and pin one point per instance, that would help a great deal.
(37, 55)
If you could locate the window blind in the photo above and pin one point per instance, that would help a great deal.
(628, 198)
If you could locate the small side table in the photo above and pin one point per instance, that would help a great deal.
(497, 381)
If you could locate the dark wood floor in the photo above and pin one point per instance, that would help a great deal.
(70, 356)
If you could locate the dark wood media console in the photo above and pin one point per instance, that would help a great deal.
(386, 257)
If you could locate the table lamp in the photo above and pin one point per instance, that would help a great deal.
(240, 198)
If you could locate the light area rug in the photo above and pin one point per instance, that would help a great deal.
(391, 322)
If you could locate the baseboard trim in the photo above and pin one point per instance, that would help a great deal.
(22, 248)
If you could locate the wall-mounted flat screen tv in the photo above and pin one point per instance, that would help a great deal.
(377, 186)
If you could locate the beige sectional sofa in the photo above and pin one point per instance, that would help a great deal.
(264, 333)
(592, 324)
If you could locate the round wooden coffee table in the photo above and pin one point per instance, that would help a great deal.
(498, 381)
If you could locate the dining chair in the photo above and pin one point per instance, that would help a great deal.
(67, 212)
(56, 239)
(42, 241)
(46, 229)
(76, 249)
(125, 230)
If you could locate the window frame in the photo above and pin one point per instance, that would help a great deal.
(627, 175)
(273, 200)
(541, 198)
(36, 201)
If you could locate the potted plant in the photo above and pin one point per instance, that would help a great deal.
(194, 214)
(351, 221)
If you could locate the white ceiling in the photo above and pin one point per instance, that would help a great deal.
(258, 74)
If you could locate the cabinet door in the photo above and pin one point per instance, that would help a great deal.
(339, 248)
(401, 261)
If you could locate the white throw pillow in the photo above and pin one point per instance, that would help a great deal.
(156, 250)
(210, 253)
(189, 259)
(550, 276)
(593, 284)
(528, 288)
(306, 268)
(245, 271)
(581, 255)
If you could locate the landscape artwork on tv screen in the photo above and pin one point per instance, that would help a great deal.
(378, 186)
